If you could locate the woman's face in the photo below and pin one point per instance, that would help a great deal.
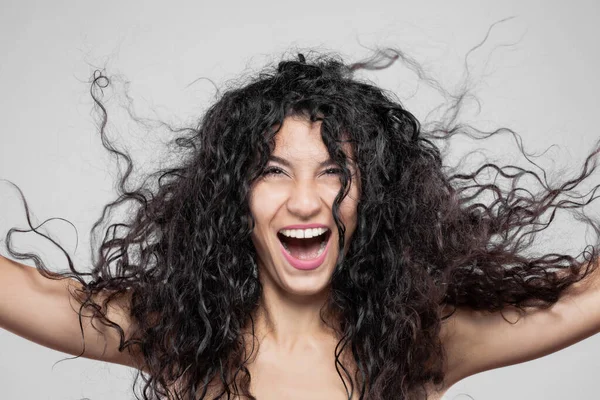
(295, 236)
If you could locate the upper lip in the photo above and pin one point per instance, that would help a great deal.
(305, 226)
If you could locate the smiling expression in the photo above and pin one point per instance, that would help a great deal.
(297, 191)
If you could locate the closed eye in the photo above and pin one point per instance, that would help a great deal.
(278, 171)
(333, 171)
(273, 171)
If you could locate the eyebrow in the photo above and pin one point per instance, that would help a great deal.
(286, 163)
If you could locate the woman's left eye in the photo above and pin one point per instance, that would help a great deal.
(333, 171)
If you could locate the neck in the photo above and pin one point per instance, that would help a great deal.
(289, 323)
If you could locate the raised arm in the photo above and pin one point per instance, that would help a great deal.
(43, 310)
(477, 341)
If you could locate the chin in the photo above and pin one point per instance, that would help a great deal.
(306, 286)
(299, 282)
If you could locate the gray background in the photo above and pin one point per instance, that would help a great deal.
(546, 87)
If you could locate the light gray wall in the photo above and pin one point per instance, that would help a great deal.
(546, 87)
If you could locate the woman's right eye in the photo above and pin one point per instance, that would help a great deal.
(272, 171)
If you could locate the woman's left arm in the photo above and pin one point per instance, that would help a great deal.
(477, 341)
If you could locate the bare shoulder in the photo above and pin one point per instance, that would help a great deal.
(453, 335)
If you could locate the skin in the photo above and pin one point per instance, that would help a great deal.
(296, 347)
(299, 189)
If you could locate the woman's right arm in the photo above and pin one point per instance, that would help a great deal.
(44, 311)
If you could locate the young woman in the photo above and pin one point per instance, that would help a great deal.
(312, 244)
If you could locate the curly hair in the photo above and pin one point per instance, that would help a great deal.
(425, 237)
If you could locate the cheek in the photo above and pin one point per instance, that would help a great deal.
(261, 204)
(349, 214)
(266, 198)
(329, 189)
(259, 240)
(349, 206)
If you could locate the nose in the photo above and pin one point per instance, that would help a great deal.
(304, 201)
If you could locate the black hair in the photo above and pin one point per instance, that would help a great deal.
(425, 237)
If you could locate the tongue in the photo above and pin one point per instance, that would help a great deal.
(303, 249)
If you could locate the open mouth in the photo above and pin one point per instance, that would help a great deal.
(304, 244)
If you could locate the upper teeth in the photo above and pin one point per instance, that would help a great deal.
(303, 233)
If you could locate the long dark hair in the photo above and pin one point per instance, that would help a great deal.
(425, 237)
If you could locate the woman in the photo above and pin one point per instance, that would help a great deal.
(312, 244)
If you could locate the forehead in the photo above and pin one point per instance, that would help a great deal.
(300, 138)
(299, 134)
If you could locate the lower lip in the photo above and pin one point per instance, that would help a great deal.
(306, 264)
